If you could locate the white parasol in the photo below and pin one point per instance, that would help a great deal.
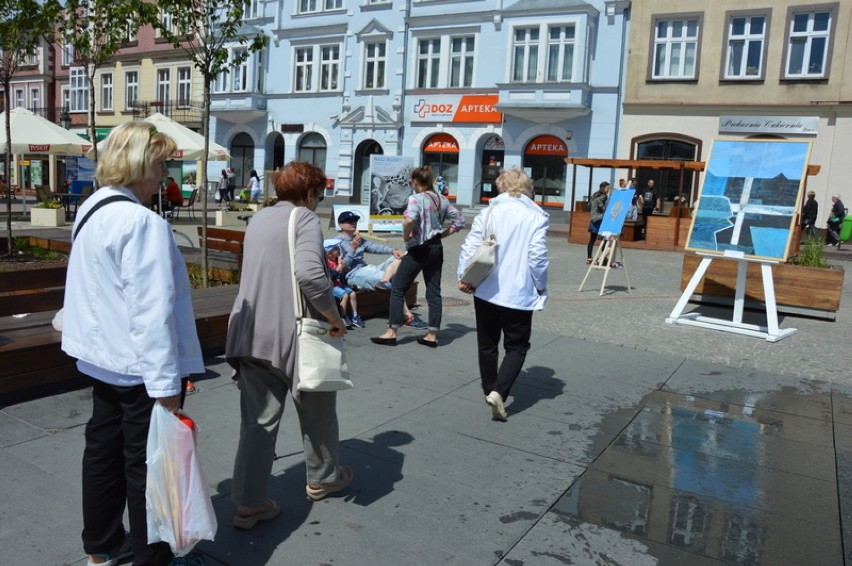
(33, 134)
(190, 145)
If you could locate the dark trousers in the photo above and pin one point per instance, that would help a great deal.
(224, 195)
(593, 236)
(114, 472)
(515, 326)
(428, 258)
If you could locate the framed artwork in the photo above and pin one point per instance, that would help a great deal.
(616, 211)
(749, 196)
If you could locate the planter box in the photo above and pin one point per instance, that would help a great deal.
(47, 216)
(795, 285)
(229, 217)
(255, 206)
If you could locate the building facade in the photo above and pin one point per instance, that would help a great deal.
(744, 69)
(468, 87)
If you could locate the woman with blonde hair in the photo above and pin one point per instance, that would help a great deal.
(505, 300)
(128, 320)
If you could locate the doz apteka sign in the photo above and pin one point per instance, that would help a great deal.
(464, 108)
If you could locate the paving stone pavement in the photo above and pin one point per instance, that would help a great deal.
(629, 441)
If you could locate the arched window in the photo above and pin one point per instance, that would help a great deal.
(667, 147)
(312, 149)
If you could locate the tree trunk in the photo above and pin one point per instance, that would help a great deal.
(205, 131)
(7, 96)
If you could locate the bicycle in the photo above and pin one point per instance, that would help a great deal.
(181, 238)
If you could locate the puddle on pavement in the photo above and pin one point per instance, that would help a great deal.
(733, 479)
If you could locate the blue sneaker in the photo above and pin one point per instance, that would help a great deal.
(347, 321)
(357, 321)
(416, 323)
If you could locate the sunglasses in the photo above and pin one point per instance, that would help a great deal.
(320, 197)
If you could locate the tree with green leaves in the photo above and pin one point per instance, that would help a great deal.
(24, 25)
(208, 31)
(97, 29)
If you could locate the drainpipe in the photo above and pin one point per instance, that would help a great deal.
(405, 38)
(620, 96)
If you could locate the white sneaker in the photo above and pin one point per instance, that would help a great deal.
(498, 411)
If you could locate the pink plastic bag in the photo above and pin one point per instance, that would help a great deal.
(180, 511)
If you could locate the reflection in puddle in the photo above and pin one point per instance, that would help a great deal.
(713, 478)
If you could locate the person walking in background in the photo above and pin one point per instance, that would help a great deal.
(505, 300)
(128, 321)
(835, 220)
(232, 183)
(597, 207)
(422, 231)
(648, 202)
(809, 215)
(255, 189)
(261, 346)
(224, 193)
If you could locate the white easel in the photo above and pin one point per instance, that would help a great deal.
(604, 257)
(771, 332)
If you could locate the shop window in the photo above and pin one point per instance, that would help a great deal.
(666, 181)
(441, 153)
(312, 149)
(544, 162)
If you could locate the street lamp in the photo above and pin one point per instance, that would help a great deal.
(65, 118)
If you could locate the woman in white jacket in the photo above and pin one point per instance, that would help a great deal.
(505, 300)
(128, 320)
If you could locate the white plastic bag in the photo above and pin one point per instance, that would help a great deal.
(180, 511)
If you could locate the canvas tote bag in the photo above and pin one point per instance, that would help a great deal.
(320, 357)
(484, 258)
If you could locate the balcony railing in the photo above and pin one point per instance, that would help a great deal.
(186, 112)
(51, 113)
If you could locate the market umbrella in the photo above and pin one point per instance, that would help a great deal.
(190, 145)
(33, 134)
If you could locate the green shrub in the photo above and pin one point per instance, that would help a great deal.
(810, 253)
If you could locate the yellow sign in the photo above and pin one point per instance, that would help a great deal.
(24, 162)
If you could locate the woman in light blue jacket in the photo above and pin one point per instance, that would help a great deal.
(505, 300)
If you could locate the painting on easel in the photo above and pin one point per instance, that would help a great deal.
(749, 197)
(616, 211)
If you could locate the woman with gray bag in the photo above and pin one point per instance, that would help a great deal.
(517, 285)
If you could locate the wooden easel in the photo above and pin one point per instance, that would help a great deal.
(771, 332)
(608, 250)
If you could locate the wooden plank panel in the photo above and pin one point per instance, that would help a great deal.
(32, 279)
(795, 285)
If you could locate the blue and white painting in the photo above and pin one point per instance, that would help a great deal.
(749, 197)
(617, 206)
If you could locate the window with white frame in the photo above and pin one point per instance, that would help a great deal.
(67, 55)
(35, 99)
(163, 85)
(20, 98)
(675, 48)
(321, 61)
(131, 89)
(106, 91)
(221, 84)
(525, 54)
(167, 20)
(375, 63)
(313, 6)
(29, 58)
(184, 85)
(746, 40)
(462, 57)
(808, 43)
(428, 63)
(65, 95)
(329, 67)
(253, 10)
(304, 65)
(240, 71)
(78, 85)
(560, 53)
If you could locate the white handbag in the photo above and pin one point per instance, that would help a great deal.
(484, 259)
(320, 357)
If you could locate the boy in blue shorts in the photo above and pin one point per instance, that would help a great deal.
(341, 292)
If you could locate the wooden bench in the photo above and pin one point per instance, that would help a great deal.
(32, 362)
(372, 304)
